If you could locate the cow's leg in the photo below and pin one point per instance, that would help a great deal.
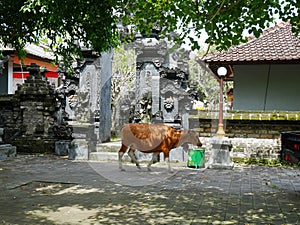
(153, 160)
(166, 154)
(122, 151)
(133, 157)
(169, 165)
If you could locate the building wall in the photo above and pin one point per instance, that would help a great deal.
(13, 76)
(18, 78)
(267, 87)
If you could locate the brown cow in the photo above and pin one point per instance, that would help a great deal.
(153, 138)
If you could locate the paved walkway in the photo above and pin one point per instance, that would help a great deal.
(53, 190)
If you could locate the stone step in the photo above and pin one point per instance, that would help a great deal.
(109, 146)
(109, 152)
(107, 156)
(176, 155)
(103, 156)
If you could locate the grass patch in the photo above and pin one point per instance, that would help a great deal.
(113, 139)
(265, 162)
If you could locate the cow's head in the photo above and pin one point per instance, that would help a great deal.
(191, 137)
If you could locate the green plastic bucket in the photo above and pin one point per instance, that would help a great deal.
(196, 158)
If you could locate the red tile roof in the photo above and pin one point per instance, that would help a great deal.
(275, 44)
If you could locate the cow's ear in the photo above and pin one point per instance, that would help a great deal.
(191, 132)
(194, 132)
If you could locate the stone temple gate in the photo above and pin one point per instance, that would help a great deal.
(162, 91)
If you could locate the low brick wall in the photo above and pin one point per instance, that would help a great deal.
(252, 134)
(265, 125)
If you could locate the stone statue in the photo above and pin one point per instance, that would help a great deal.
(83, 112)
(146, 105)
(169, 104)
(60, 114)
(61, 128)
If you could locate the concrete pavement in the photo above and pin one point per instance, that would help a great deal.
(54, 190)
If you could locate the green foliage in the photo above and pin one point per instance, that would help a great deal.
(123, 72)
(224, 21)
(93, 23)
(207, 85)
(65, 24)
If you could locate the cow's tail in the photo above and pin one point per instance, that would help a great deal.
(128, 148)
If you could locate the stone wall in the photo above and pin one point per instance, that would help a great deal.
(258, 148)
(10, 116)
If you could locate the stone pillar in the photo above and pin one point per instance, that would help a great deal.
(10, 75)
(185, 120)
(105, 104)
(155, 91)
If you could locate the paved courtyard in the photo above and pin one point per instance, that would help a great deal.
(54, 190)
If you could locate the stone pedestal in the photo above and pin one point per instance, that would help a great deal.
(7, 151)
(220, 153)
(84, 141)
(62, 147)
(78, 150)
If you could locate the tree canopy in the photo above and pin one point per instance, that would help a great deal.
(96, 23)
